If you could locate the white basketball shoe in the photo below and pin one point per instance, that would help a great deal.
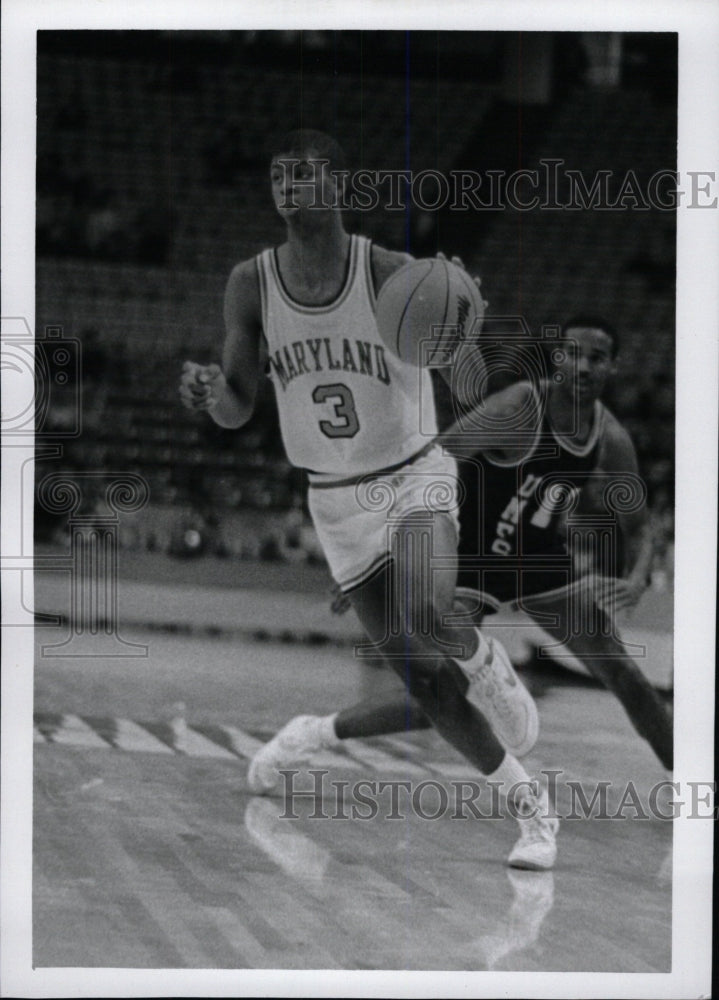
(498, 693)
(536, 849)
(294, 743)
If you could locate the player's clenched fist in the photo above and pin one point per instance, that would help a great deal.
(201, 385)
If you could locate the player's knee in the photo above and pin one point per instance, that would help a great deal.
(411, 659)
(418, 618)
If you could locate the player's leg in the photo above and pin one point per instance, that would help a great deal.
(387, 713)
(379, 716)
(417, 532)
(509, 705)
(387, 607)
(403, 623)
(399, 712)
(606, 659)
(402, 608)
(437, 685)
(412, 603)
(394, 611)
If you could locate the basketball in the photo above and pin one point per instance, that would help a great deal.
(426, 308)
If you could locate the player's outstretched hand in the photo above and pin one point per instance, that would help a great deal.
(626, 594)
(458, 262)
(201, 385)
(612, 594)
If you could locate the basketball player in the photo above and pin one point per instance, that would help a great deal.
(350, 413)
(514, 546)
(582, 470)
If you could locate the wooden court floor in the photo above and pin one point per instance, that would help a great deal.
(149, 852)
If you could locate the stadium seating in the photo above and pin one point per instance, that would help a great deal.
(116, 126)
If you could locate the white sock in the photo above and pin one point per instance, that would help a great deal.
(326, 730)
(509, 774)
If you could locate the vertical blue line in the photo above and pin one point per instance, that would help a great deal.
(336, 88)
(407, 161)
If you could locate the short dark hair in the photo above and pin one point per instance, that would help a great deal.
(304, 140)
(587, 320)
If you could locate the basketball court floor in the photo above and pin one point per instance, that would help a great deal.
(150, 852)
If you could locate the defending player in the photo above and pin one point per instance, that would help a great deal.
(350, 415)
(582, 473)
(514, 547)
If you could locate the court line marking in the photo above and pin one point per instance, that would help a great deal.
(188, 741)
(74, 731)
(127, 735)
(355, 755)
(381, 761)
(130, 736)
(241, 742)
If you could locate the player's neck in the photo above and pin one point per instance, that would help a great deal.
(314, 258)
(321, 237)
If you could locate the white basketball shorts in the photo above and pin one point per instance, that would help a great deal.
(354, 519)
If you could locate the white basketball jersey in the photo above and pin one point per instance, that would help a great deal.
(347, 405)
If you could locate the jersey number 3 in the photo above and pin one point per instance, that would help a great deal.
(346, 425)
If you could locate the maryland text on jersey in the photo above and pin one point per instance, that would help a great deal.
(317, 354)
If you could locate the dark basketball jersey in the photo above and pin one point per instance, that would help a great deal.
(512, 543)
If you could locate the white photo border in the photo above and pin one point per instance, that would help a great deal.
(697, 23)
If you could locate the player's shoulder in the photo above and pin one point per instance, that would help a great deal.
(615, 440)
(384, 264)
(612, 429)
(243, 302)
(244, 275)
(244, 280)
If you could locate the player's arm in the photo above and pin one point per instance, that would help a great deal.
(618, 473)
(505, 421)
(228, 393)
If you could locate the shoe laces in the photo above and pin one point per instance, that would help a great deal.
(535, 825)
